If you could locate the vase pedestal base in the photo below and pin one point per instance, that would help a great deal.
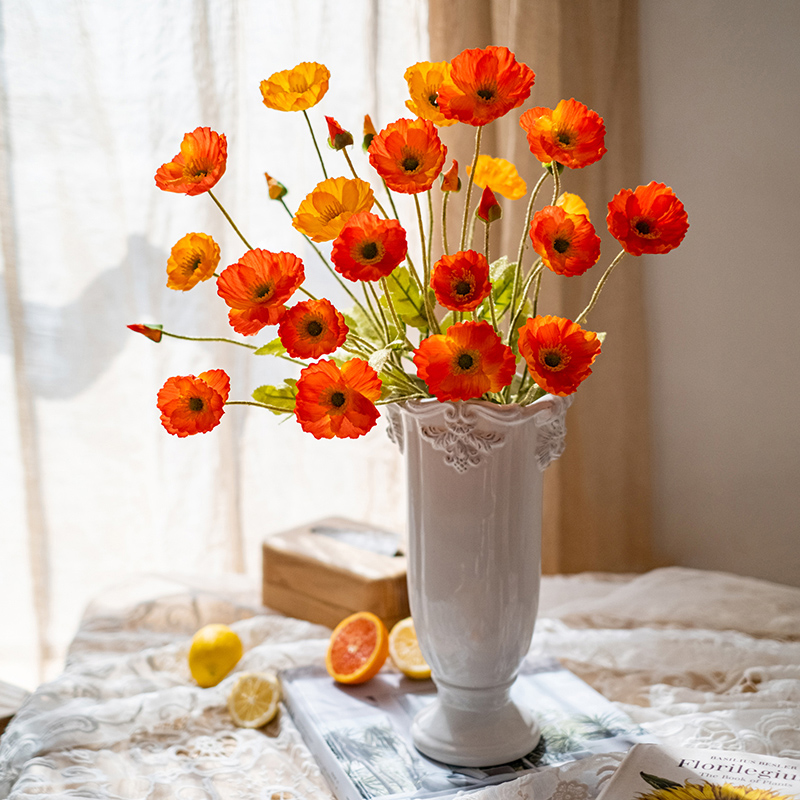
(469, 728)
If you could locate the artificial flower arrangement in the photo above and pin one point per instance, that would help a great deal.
(458, 328)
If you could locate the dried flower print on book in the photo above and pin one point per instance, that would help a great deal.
(421, 322)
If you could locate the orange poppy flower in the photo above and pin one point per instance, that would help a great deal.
(484, 85)
(558, 352)
(192, 259)
(323, 212)
(256, 287)
(408, 155)
(567, 243)
(571, 134)
(424, 80)
(500, 176)
(368, 248)
(573, 204)
(337, 402)
(465, 362)
(650, 219)
(296, 89)
(190, 404)
(461, 281)
(312, 328)
(199, 165)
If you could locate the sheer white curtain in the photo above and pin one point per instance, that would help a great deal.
(94, 96)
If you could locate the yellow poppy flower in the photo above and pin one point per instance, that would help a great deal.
(573, 204)
(712, 791)
(323, 213)
(500, 176)
(424, 80)
(193, 259)
(296, 89)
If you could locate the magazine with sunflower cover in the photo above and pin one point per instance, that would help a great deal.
(360, 735)
(659, 772)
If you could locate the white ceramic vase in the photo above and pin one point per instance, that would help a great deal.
(474, 473)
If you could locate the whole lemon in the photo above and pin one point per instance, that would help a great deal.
(215, 651)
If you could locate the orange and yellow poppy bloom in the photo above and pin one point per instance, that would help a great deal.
(649, 220)
(408, 155)
(323, 213)
(424, 80)
(256, 287)
(369, 247)
(192, 259)
(337, 402)
(312, 328)
(500, 176)
(484, 85)
(465, 362)
(571, 134)
(461, 281)
(573, 204)
(558, 352)
(199, 165)
(190, 404)
(567, 243)
(296, 89)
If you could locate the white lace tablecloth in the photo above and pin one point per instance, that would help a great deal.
(699, 659)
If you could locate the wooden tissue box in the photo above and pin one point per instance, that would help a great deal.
(329, 569)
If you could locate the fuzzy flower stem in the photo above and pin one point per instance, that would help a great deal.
(316, 146)
(521, 251)
(469, 186)
(258, 405)
(391, 200)
(556, 182)
(535, 273)
(445, 248)
(585, 313)
(536, 289)
(384, 321)
(230, 341)
(393, 312)
(228, 217)
(432, 323)
(430, 228)
(355, 175)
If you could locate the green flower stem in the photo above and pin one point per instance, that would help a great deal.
(445, 248)
(416, 396)
(384, 321)
(514, 317)
(430, 228)
(556, 181)
(355, 175)
(478, 133)
(209, 339)
(327, 264)
(258, 405)
(472, 230)
(599, 287)
(316, 146)
(432, 323)
(364, 344)
(523, 239)
(391, 200)
(536, 288)
(491, 290)
(393, 311)
(228, 217)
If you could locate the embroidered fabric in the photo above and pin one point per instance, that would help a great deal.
(697, 658)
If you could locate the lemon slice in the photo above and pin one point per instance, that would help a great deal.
(253, 699)
(404, 650)
(214, 652)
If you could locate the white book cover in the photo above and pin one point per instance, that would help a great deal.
(660, 772)
(360, 735)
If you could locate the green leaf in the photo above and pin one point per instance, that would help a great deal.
(407, 298)
(379, 358)
(273, 348)
(282, 398)
(447, 320)
(601, 337)
(501, 274)
(361, 324)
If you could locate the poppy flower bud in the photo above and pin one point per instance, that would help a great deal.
(369, 133)
(338, 137)
(152, 332)
(450, 180)
(276, 189)
(489, 209)
(549, 166)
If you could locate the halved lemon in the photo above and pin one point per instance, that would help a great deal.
(404, 650)
(358, 648)
(214, 652)
(253, 699)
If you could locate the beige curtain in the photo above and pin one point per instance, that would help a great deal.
(597, 496)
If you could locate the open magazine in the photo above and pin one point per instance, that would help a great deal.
(660, 772)
(360, 735)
